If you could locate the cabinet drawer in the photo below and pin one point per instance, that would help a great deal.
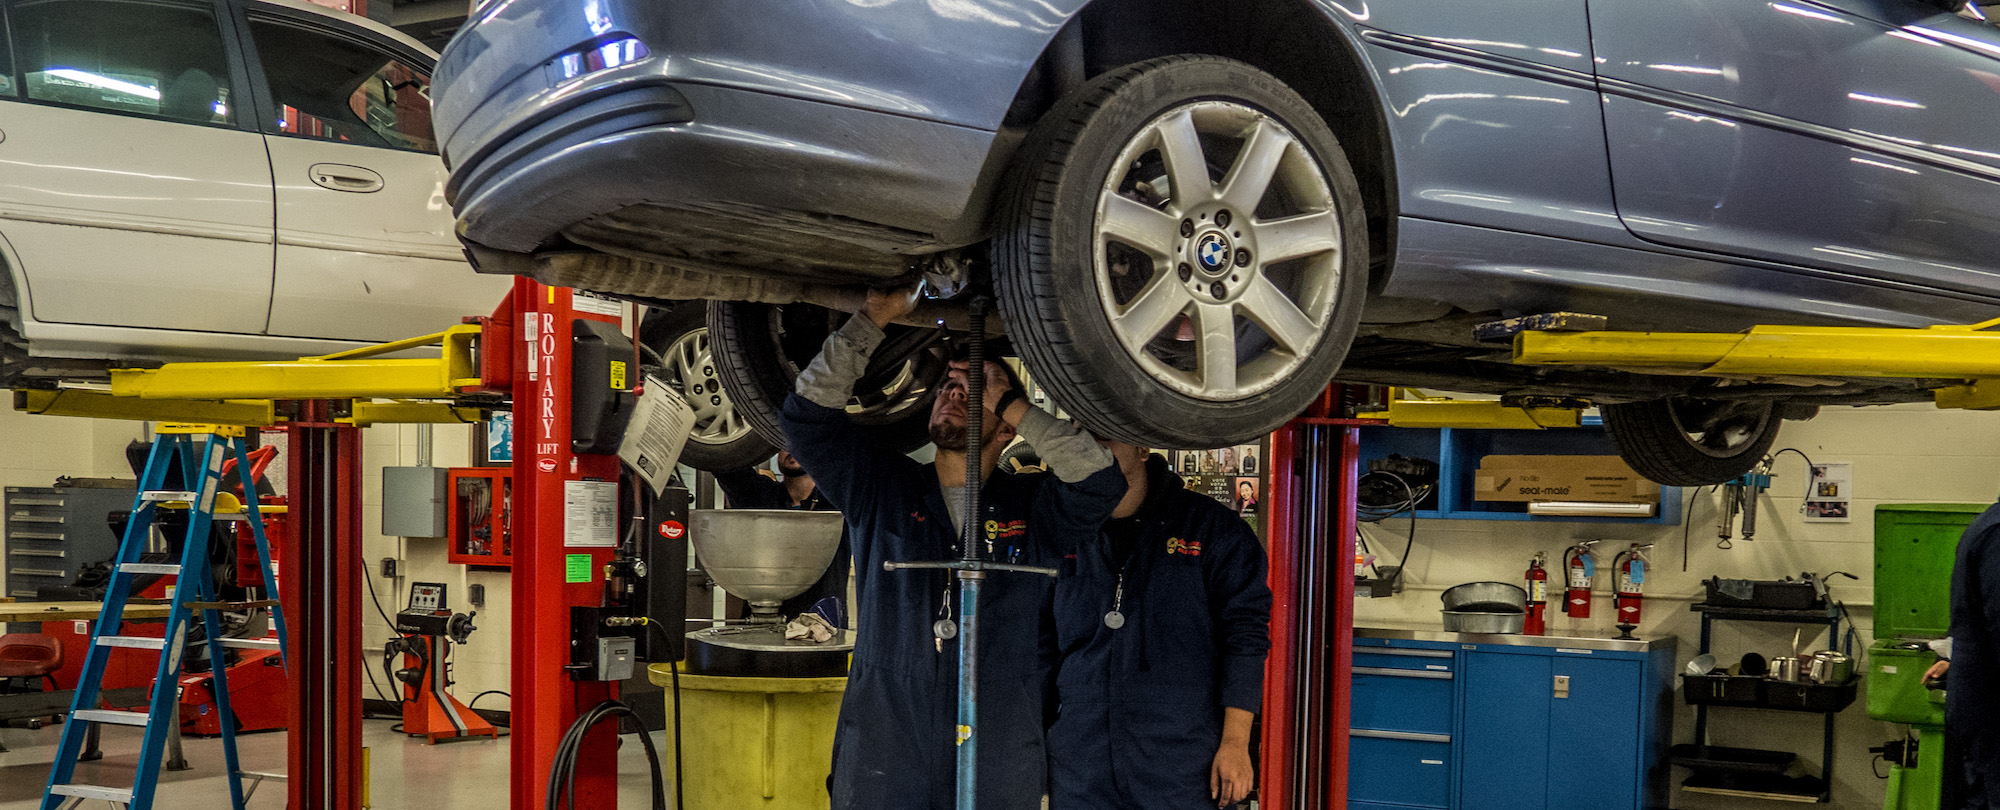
(1401, 700)
(1414, 771)
(1398, 658)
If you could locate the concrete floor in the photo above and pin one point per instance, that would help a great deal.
(406, 774)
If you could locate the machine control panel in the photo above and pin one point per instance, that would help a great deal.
(426, 597)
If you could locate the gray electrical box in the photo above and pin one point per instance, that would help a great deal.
(615, 656)
(413, 501)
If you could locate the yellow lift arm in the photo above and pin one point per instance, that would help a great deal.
(1970, 353)
(244, 393)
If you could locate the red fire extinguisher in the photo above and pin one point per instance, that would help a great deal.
(1581, 568)
(1538, 597)
(1630, 589)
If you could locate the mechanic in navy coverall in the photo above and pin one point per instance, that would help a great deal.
(1972, 682)
(894, 747)
(1163, 623)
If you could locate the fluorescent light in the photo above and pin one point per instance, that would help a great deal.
(105, 82)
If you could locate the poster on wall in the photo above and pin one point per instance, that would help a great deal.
(1233, 476)
(1828, 497)
(500, 438)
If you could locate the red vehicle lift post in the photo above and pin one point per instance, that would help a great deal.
(1314, 472)
(546, 701)
(321, 595)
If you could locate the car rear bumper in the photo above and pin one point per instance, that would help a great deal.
(536, 159)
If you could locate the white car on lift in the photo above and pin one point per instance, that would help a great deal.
(217, 179)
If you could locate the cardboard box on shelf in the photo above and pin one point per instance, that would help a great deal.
(1605, 479)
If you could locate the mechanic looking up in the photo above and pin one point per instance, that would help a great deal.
(894, 745)
(1972, 679)
(749, 489)
(1162, 619)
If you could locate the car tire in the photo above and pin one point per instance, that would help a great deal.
(1102, 297)
(1689, 442)
(722, 439)
(761, 348)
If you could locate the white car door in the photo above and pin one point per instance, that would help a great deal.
(132, 190)
(365, 242)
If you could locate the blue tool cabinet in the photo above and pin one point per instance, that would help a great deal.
(1478, 722)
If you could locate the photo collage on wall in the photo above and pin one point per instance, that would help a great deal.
(1234, 476)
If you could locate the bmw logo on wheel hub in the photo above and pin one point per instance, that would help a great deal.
(1213, 252)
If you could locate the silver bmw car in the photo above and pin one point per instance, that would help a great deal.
(1193, 215)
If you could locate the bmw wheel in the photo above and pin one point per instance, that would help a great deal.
(761, 348)
(1183, 253)
(1689, 442)
(722, 439)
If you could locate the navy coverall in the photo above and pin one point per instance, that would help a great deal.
(1972, 685)
(894, 745)
(1140, 707)
(747, 489)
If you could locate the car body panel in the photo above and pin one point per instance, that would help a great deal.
(1450, 119)
(889, 56)
(375, 265)
(768, 152)
(1489, 269)
(135, 238)
(1555, 33)
(1805, 133)
(131, 221)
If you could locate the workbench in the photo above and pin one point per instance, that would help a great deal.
(65, 611)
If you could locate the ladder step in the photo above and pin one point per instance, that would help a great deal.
(110, 716)
(119, 795)
(149, 568)
(135, 642)
(251, 643)
(169, 496)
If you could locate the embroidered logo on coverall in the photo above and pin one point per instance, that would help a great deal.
(1176, 545)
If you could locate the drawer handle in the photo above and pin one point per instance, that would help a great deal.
(35, 502)
(38, 572)
(21, 518)
(1403, 673)
(1411, 736)
(1403, 652)
(36, 535)
(20, 592)
(39, 552)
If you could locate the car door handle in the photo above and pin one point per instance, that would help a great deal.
(342, 177)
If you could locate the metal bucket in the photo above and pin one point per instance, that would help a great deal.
(1473, 621)
(1830, 666)
(1486, 597)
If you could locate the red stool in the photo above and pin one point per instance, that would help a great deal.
(30, 655)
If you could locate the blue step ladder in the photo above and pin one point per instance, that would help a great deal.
(202, 453)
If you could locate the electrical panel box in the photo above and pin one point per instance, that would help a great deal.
(413, 501)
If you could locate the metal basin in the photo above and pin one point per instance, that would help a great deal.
(1461, 621)
(765, 556)
(1486, 597)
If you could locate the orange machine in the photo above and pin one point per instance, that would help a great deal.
(428, 629)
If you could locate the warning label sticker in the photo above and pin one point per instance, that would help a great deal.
(590, 514)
